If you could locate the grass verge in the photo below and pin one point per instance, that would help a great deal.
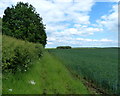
(47, 75)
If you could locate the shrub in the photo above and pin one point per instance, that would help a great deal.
(19, 56)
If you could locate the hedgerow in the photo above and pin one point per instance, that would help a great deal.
(18, 55)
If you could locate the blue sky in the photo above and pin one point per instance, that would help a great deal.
(99, 9)
(82, 23)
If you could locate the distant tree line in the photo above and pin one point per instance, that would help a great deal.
(64, 47)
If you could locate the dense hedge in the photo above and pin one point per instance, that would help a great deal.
(64, 47)
(18, 55)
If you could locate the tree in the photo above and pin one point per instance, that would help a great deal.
(0, 25)
(23, 22)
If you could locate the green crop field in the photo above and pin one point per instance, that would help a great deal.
(99, 66)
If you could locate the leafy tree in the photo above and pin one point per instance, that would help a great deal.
(0, 24)
(23, 22)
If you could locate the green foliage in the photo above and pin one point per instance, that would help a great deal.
(0, 24)
(23, 22)
(99, 66)
(18, 55)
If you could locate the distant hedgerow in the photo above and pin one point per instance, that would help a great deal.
(64, 47)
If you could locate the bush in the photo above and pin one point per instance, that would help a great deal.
(20, 55)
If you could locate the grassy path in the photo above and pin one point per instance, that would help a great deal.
(47, 75)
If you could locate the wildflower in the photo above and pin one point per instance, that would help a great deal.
(10, 89)
(32, 82)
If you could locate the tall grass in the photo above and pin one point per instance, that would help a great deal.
(50, 77)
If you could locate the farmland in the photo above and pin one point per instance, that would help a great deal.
(98, 66)
(51, 72)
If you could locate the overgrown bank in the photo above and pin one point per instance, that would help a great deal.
(46, 75)
(18, 55)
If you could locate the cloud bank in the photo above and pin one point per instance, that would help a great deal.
(68, 22)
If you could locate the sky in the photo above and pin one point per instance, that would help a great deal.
(76, 23)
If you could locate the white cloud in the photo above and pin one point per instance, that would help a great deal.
(81, 30)
(58, 15)
(110, 22)
(75, 42)
(95, 40)
(57, 11)
(51, 39)
(49, 43)
(107, 0)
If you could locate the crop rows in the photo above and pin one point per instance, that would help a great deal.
(99, 66)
